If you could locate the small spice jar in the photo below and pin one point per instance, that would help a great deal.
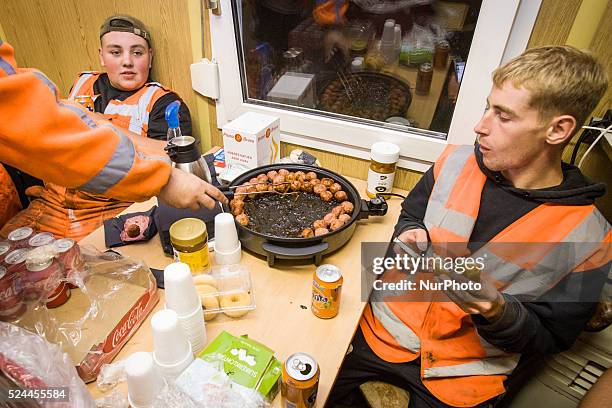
(190, 244)
(441, 54)
(424, 77)
(384, 157)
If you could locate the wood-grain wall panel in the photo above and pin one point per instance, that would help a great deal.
(554, 22)
(61, 38)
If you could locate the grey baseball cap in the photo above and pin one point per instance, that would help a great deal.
(125, 23)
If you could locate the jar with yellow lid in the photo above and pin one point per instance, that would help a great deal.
(189, 240)
(384, 157)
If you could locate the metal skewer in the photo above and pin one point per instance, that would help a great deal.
(263, 182)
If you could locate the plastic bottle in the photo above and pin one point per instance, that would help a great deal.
(172, 118)
(384, 157)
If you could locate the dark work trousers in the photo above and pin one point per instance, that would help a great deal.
(362, 365)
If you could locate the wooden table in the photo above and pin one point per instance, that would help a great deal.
(282, 320)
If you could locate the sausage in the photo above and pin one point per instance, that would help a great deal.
(340, 195)
(348, 207)
(307, 233)
(242, 219)
(335, 187)
(326, 196)
(319, 188)
(321, 231)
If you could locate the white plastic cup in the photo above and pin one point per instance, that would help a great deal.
(227, 245)
(226, 236)
(181, 294)
(143, 379)
(195, 329)
(170, 344)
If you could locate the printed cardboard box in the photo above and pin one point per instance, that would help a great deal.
(252, 140)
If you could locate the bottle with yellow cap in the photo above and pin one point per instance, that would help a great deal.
(384, 157)
(190, 244)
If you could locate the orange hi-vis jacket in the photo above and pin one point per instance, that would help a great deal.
(458, 366)
(58, 141)
(131, 113)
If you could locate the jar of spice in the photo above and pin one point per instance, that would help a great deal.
(384, 157)
(441, 54)
(190, 244)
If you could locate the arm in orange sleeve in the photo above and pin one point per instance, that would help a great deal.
(330, 12)
(60, 142)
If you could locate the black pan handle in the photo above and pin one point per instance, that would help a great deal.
(375, 207)
(294, 253)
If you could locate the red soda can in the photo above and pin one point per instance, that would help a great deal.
(19, 238)
(5, 247)
(40, 239)
(11, 300)
(44, 273)
(69, 255)
(58, 296)
(15, 261)
(10, 295)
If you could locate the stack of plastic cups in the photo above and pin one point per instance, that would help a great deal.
(171, 350)
(397, 43)
(182, 297)
(387, 42)
(144, 380)
(227, 245)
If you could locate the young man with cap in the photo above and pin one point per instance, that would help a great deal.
(124, 97)
(62, 143)
(125, 93)
(510, 204)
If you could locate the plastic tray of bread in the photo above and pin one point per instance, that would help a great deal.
(225, 290)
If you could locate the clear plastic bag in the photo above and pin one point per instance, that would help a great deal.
(32, 362)
(110, 298)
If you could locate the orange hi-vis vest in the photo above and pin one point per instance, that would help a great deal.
(459, 367)
(131, 113)
(39, 132)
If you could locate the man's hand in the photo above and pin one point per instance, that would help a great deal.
(334, 41)
(184, 190)
(416, 238)
(487, 301)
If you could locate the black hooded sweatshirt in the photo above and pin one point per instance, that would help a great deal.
(530, 328)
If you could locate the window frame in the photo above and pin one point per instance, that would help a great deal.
(502, 31)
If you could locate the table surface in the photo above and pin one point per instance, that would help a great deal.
(282, 319)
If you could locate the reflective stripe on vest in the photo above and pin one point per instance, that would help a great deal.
(76, 89)
(486, 366)
(138, 112)
(404, 336)
(116, 168)
(437, 211)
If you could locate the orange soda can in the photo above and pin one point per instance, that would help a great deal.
(85, 100)
(300, 381)
(326, 289)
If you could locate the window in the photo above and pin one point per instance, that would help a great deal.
(405, 71)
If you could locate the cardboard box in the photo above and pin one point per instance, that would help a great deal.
(246, 362)
(92, 327)
(294, 88)
(252, 140)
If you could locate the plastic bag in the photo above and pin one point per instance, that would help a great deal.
(111, 297)
(32, 362)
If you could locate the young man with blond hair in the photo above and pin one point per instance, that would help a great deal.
(511, 188)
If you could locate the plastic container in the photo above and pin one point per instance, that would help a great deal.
(384, 157)
(226, 290)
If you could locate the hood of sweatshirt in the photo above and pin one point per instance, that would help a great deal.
(575, 189)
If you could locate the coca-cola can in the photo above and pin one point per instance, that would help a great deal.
(15, 261)
(5, 248)
(10, 293)
(58, 296)
(69, 255)
(44, 273)
(19, 238)
(40, 239)
(13, 313)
